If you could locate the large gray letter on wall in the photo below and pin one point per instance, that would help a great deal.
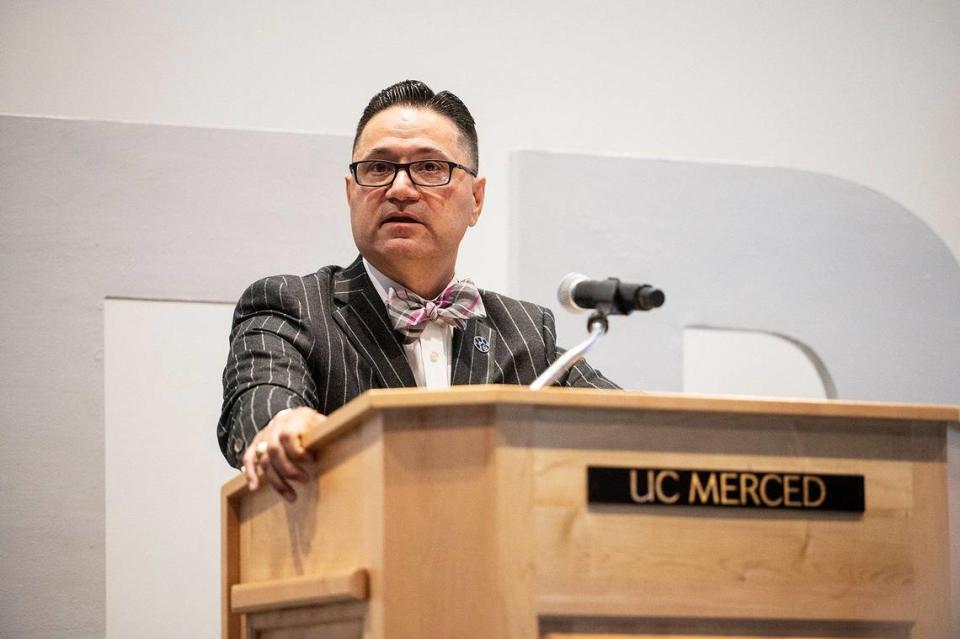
(96, 209)
(839, 268)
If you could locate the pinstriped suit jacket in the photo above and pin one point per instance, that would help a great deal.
(322, 339)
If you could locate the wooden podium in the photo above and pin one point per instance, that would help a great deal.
(464, 514)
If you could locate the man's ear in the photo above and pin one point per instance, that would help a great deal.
(347, 183)
(479, 191)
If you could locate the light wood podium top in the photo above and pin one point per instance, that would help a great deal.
(371, 401)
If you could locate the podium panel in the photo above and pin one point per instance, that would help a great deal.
(467, 513)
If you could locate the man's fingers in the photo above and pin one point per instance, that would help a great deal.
(250, 469)
(293, 446)
(309, 419)
(275, 480)
(277, 453)
(283, 465)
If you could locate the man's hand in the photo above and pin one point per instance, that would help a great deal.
(277, 454)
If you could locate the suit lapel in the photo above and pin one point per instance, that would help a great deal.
(473, 353)
(363, 317)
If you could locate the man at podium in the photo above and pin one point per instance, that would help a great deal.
(398, 316)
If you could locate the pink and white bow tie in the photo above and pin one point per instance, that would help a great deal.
(410, 313)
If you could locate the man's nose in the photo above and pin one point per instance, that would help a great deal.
(403, 187)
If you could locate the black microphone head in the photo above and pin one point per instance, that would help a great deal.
(648, 297)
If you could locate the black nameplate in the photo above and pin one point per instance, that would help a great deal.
(724, 488)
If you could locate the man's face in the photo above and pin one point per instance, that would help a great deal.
(403, 226)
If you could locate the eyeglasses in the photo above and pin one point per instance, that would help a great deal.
(421, 172)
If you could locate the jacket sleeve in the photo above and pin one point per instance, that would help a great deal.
(582, 375)
(266, 369)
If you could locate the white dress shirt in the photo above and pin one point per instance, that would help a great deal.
(429, 356)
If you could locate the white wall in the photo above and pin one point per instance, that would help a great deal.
(743, 365)
(867, 90)
(162, 362)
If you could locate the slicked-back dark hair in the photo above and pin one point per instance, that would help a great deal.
(417, 94)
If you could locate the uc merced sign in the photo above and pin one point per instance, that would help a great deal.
(724, 488)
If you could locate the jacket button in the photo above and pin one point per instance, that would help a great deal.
(237, 444)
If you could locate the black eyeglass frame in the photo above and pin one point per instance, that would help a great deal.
(405, 166)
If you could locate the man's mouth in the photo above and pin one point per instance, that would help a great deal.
(401, 218)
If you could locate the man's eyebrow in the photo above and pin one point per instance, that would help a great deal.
(388, 152)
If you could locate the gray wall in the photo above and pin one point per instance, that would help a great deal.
(93, 210)
(861, 283)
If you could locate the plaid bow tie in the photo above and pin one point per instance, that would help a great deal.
(410, 313)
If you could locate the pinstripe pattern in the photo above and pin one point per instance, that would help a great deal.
(322, 339)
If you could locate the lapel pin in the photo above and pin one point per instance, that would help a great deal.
(481, 344)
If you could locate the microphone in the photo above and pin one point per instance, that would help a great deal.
(578, 293)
